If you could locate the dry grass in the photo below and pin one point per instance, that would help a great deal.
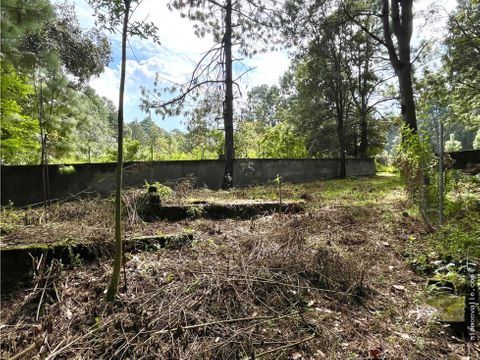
(82, 212)
(183, 188)
(135, 203)
(317, 285)
(244, 293)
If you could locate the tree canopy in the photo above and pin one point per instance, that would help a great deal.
(337, 98)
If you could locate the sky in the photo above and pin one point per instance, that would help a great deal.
(180, 50)
(174, 59)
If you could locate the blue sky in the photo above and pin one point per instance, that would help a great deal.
(180, 50)
(174, 59)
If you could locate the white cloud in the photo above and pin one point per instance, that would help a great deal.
(174, 59)
(176, 33)
(180, 49)
(107, 84)
(269, 67)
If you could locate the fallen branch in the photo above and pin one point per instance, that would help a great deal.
(49, 272)
(58, 350)
(189, 327)
(270, 281)
(244, 330)
(285, 346)
(21, 354)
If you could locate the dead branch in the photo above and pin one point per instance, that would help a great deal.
(23, 353)
(285, 346)
(226, 321)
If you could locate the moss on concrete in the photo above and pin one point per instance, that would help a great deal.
(17, 261)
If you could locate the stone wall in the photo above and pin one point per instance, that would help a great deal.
(22, 185)
(468, 160)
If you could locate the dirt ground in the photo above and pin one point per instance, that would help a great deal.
(332, 282)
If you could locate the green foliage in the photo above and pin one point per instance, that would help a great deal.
(422, 264)
(195, 212)
(75, 259)
(436, 104)
(83, 53)
(94, 134)
(97, 322)
(455, 278)
(462, 193)
(150, 136)
(59, 117)
(18, 19)
(162, 190)
(262, 105)
(169, 278)
(281, 141)
(204, 142)
(66, 169)
(46, 55)
(419, 171)
(450, 94)
(8, 219)
(19, 130)
(247, 139)
(452, 144)
(131, 149)
(476, 141)
(458, 238)
(462, 62)
(278, 180)
(412, 157)
(386, 169)
(333, 80)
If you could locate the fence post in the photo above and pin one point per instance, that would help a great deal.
(440, 174)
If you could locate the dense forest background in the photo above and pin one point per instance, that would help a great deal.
(338, 76)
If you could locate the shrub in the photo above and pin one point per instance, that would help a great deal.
(66, 169)
(135, 204)
(458, 238)
(417, 166)
(162, 190)
(476, 141)
(452, 144)
(184, 187)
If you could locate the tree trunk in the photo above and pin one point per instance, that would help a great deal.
(363, 148)
(341, 140)
(355, 141)
(407, 100)
(47, 176)
(340, 102)
(43, 150)
(398, 20)
(44, 175)
(228, 107)
(364, 104)
(402, 27)
(112, 289)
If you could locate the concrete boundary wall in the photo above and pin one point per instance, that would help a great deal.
(22, 185)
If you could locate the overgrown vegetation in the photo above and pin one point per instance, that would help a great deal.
(458, 237)
(245, 286)
(266, 286)
(298, 117)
